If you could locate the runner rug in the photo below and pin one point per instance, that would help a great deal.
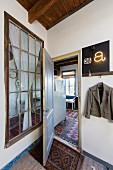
(68, 130)
(62, 157)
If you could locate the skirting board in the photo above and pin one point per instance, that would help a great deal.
(107, 165)
(13, 162)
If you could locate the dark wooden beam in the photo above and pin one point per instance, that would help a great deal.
(39, 9)
(65, 63)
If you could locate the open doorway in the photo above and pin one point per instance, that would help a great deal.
(66, 96)
(61, 116)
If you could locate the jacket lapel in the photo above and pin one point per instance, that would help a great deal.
(95, 92)
(106, 92)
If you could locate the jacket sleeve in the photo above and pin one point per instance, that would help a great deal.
(111, 104)
(88, 107)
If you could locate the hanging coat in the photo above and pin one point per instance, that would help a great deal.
(100, 108)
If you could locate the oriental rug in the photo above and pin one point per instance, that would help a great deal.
(68, 130)
(14, 123)
(72, 113)
(62, 157)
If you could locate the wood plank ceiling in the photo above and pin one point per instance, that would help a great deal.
(51, 12)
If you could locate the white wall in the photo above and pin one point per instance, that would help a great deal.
(17, 11)
(90, 25)
(72, 67)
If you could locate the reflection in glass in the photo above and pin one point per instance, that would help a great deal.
(32, 100)
(38, 47)
(31, 81)
(24, 81)
(31, 63)
(24, 61)
(13, 104)
(13, 32)
(24, 121)
(33, 86)
(31, 45)
(38, 85)
(38, 66)
(24, 93)
(13, 78)
(13, 127)
(38, 99)
(24, 102)
(13, 58)
(38, 115)
(24, 41)
(33, 116)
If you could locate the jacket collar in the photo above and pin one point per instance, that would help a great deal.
(95, 92)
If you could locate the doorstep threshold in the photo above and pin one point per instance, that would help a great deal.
(66, 143)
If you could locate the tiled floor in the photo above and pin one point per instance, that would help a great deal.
(89, 164)
(27, 162)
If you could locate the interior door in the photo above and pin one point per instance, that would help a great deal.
(48, 111)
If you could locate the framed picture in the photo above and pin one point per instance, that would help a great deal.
(95, 59)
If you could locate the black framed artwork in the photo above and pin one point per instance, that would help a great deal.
(95, 59)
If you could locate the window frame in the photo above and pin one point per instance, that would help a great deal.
(7, 19)
(70, 77)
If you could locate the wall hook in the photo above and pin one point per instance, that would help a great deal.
(89, 73)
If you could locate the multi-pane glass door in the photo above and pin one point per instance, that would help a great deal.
(24, 77)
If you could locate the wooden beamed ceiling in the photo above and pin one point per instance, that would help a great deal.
(39, 9)
(51, 12)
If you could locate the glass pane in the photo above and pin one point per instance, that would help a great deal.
(13, 104)
(33, 85)
(31, 63)
(33, 115)
(13, 81)
(38, 66)
(31, 45)
(38, 85)
(24, 121)
(38, 115)
(13, 58)
(24, 102)
(24, 61)
(13, 34)
(38, 46)
(14, 126)
(31, 81)
(24, 41)
(38, 99)
(24, 81)
(32, 100)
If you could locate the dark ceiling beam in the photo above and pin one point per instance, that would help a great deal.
(61, 64)
(66, 64)
(39, 9)
(66, 61)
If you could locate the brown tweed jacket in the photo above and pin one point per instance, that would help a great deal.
(95, 107)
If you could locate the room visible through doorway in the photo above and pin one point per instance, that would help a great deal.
(66, 100)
